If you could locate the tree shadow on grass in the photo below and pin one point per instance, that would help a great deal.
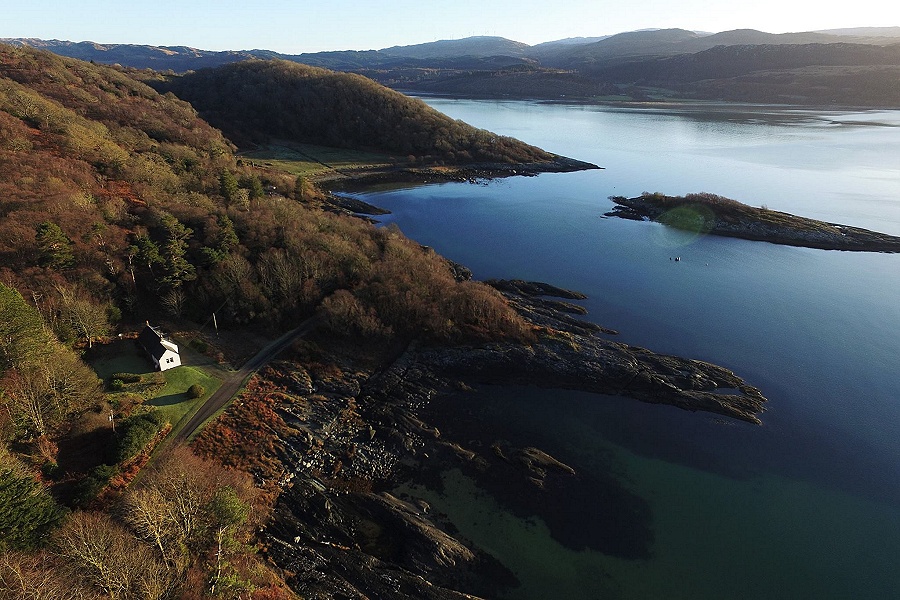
(169, 400)
(120, 356)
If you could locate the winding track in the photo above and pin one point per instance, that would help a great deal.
(229, 388)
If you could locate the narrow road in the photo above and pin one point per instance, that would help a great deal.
(229, 388)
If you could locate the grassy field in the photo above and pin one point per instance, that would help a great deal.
(315, 161)
(121, 357)
(173, 401)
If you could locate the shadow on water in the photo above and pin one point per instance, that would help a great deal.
(588, 510)
(804, 506)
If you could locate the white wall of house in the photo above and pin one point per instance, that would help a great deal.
(169, 360)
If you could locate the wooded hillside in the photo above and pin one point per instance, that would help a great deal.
(120, 204)
(256, 100)
(116, 195)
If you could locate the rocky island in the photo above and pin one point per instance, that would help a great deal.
(715, 215)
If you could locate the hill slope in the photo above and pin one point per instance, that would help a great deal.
(833, 74)
(631, 43)
(279, 99)
(126, 197)
(160, 58)
(481, 46)
(730, 61)
(85, 146)
(587, 68)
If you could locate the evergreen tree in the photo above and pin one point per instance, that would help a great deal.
(176, 268)
(228, 186)
(22, 335)
(254, 186)
(54, 246)
(27, 512)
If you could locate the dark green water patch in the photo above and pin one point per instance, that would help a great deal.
(526, 472)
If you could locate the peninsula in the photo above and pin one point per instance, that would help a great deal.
(715, 215)
(120, 203)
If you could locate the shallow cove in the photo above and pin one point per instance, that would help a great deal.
(722, 528)
(804, 506)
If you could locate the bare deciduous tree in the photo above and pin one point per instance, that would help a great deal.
(187, 503)
(173, 302)
(87, 319)
(39, 395)
(104, 557)
(34, 577)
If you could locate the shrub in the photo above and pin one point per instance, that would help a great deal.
(116, 385)
(195, 391)
(91, 486)
(126, 377)
(135, 433)
(50, 469)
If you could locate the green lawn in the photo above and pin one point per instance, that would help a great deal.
(121, 357)
(172, 400)
(307, 159)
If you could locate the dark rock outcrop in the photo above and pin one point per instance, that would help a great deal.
(597, 365)
(357, 433)
(368, 545)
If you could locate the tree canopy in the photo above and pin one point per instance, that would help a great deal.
(27, 512)
(258, 99)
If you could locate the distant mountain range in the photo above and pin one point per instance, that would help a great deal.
(640, 65)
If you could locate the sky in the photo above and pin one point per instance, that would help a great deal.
(296, 26)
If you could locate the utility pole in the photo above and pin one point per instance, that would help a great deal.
(215, 325)
(112, 420)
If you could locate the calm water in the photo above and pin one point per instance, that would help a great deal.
(806, 506)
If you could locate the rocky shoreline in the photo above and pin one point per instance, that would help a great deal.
(355, 430)
(469, 173)
(706, 213)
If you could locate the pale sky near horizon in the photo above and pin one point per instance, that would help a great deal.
(306, 26)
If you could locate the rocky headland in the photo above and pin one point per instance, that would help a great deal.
(348, 425)
(715, 215)
(365, 178)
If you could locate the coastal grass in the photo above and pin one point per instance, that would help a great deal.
(309, 160)
(681, 212)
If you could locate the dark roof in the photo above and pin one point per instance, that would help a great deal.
(151, 339)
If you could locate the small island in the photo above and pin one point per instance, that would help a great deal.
(716, 215)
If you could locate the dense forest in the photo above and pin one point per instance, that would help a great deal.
(119, 204)
(252, 99)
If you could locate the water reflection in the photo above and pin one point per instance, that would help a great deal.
(816, 330)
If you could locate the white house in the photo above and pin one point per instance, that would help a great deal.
(163, 352)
